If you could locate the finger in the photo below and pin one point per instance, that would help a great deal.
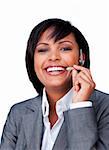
(74, 75)
(84, 82)
(77, 87)
(85, 77)
(79, 67)
(85, 70)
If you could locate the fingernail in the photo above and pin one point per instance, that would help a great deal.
(74, 66)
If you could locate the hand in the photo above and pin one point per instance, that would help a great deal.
(83, 84)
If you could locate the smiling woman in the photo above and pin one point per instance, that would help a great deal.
(69, 113)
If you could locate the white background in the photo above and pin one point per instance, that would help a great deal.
(18, 17)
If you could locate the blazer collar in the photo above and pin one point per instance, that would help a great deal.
(33, 124)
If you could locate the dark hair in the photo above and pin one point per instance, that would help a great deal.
(62, 28)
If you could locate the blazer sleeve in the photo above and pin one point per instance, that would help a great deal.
(9, 138)
(10, 132)
(81, 126)
(102, 112)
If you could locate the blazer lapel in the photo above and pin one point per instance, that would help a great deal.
(33, 127)
(61, 141)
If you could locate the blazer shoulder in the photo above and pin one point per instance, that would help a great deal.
(27, 105)
(101, 96)
(100, 102)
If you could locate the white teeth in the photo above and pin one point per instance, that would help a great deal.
(55, 69)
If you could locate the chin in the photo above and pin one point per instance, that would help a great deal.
(57, 85)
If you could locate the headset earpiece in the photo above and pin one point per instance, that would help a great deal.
(81, 60)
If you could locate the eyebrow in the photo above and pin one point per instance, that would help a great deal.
(60, 42)
(42, 44)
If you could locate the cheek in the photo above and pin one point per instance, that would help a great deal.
(37, 68)
(36, 64)
(72, 59)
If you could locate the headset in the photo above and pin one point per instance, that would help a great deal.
(81, 60)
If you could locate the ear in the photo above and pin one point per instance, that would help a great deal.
(81, 58)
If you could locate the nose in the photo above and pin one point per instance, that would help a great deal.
(54, 55)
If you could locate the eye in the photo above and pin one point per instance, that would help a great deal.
(66, 48)
(42, 50)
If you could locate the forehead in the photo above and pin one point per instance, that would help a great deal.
(48, 35)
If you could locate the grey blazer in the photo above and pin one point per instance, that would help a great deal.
(82, 129)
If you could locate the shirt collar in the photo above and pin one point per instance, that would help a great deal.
(62, 104)
(45, 104)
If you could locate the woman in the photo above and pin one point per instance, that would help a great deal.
(68, 113)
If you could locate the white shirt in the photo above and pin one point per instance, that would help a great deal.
(64, 104)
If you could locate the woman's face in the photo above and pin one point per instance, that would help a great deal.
(52, 58)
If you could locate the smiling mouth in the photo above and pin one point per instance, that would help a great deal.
(55, 70)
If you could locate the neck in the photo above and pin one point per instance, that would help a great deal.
(53, 97)
(55, 94)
